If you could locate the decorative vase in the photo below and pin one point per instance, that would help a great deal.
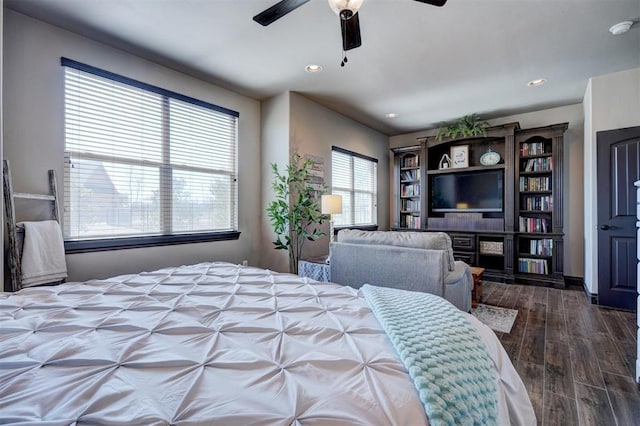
(445, 162)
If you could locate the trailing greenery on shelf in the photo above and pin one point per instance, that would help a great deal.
(466, 127)
(295, 213)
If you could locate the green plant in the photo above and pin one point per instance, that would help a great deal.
(467, 126)
(295, 213)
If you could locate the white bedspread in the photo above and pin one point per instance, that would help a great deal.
(206, 344)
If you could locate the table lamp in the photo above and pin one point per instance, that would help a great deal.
(331, 204)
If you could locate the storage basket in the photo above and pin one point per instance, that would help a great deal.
(491, 247)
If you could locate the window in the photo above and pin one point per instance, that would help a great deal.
(144, 165)
(354, 176)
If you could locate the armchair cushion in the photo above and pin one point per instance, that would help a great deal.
(419, 240)
(388, 266)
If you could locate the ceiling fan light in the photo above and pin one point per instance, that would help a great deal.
(621, 27)
(538, 82)
(339, 5)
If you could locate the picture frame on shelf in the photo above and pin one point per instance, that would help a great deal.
(460, 156)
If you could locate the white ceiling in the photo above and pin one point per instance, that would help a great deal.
(425, 63)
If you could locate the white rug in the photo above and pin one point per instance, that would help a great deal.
(498, 319)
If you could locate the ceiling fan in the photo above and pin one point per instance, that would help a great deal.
(347, 10)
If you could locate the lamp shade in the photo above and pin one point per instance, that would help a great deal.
(351, 5)
(331, 204)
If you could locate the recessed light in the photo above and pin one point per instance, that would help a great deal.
(313, 68)
(538, 82)
(392, 115)
(621, 27)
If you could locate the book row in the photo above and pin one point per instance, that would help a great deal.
(412, 190)
(541, 247)
(534, 224)
(412, 222)
(544, 164)
(543, 203)
(533, 266)
(410, 175)
(535, 183)
(533, 148)
(411, 205)
(410, 162)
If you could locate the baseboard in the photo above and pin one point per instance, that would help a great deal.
(578, 283)
(541, 280)
(574, 281)
(571, 283)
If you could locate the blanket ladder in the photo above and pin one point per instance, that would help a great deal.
(15, 243)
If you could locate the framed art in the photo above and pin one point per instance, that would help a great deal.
(460, 156)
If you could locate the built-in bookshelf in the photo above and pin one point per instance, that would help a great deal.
(538, 205)
(518, 240)
(410, 188)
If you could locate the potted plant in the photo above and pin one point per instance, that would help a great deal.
(295, 213)
(466, 127)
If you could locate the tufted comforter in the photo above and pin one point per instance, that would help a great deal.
(212, 343)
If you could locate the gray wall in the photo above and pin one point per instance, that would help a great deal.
(611, 102)
(315, 129)
(267, 133)
(275, 150)
(33, 134)
(573, 185)
(312, 129)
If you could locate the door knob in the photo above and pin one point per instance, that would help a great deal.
(607, 227)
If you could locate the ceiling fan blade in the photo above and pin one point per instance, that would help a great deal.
(350, 29)
(438, 3)
(277, 11)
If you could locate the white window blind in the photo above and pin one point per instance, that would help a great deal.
(140, 162)
(354, 177)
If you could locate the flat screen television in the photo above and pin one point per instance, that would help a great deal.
(480, 191)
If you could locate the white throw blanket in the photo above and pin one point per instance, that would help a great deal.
(43, 253)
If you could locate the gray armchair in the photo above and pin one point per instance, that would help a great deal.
(415, 261)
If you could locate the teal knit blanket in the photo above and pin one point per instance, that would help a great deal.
(443, 353)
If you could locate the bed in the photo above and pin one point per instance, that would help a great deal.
(218, 343)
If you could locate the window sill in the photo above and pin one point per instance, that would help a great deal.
(105, 244)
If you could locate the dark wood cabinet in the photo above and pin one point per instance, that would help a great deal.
(539, 234)
(504, 216)
(409, 185)
(464, 247)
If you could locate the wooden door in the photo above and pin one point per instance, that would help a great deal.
(618, 159)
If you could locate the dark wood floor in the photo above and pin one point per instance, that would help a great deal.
(576, 359)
